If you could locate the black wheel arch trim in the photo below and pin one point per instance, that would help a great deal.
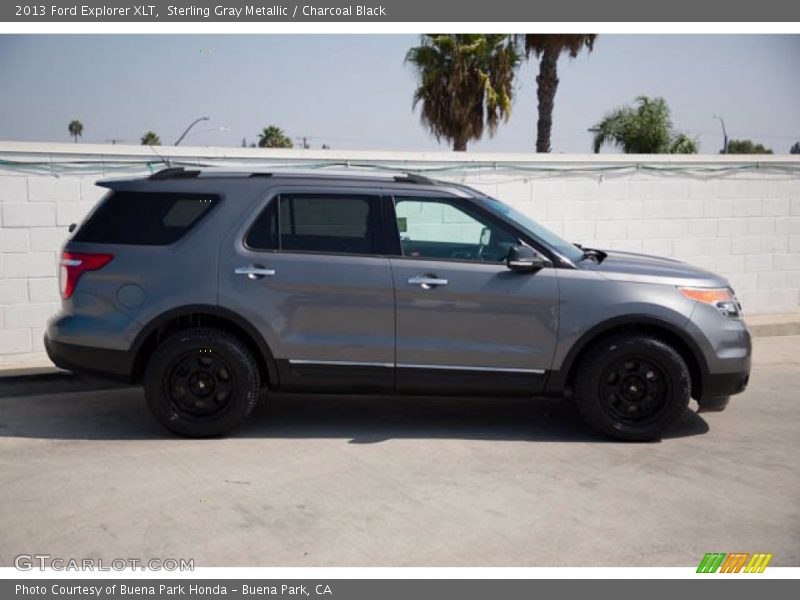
(558, 380)
(265, 353)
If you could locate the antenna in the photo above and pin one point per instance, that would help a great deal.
(164, 160)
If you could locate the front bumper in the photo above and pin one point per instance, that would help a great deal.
(724, 384)
(99, 362)
(725, 350)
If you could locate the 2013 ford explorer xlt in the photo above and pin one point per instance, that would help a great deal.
(210, 287)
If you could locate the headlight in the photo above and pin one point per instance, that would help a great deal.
(723, 299)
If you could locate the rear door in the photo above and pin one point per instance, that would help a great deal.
(308, 272)
(465, 322)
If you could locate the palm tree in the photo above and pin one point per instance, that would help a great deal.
(75, 128)
(682, 144)
(547, 48)
(273, 137)
(465, 84)
(645, 129)
(151, 139)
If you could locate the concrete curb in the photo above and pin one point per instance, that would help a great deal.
(773, 325)
(774, 329)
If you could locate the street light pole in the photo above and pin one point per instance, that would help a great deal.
(199, 131)
(192, 124)
(724, 134)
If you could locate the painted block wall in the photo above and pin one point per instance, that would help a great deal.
(745, 226)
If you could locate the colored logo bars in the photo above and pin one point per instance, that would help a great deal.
(744, 562)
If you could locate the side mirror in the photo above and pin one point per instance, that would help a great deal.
(523, 258)
(72, 227)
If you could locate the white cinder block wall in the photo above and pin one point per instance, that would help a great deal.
(721, 213)
(747, 229)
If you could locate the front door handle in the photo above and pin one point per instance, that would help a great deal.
(427, 282)
(254, 271)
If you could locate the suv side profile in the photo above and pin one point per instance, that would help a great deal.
(210, 287)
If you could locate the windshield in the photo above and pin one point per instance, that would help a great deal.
(543, 234)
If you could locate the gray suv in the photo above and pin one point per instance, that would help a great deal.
(211, 287)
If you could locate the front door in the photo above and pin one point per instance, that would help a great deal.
(308, 274)
(465, 322)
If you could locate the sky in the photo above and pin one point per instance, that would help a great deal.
(355, 92)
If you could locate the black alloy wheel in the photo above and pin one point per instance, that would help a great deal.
(634, 389)
(632, 386)
(202, 382)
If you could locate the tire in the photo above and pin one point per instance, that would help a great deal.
(632, 387)
(202, 382)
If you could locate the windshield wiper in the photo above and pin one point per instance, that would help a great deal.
(593, 253)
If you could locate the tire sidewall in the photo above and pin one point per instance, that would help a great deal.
(239, 359)
(665, 357)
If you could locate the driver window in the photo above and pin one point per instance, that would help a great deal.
(438, 228)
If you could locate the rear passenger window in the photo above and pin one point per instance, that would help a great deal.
(311, 223)
(144, 218)
(263, 234)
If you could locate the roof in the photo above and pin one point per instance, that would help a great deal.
(360, 175)
(353, 176)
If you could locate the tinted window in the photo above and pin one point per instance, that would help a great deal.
(263, 234)
(440, 228)
(337, 224)
(143, 218)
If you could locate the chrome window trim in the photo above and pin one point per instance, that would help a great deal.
(466, 368)
(340, 363)
(356, 363)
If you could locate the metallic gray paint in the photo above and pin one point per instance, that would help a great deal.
(485, 316)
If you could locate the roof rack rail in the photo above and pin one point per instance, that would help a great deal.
(174, 173)
(414, 178)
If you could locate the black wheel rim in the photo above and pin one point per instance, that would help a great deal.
(200, 385)
(634, 390)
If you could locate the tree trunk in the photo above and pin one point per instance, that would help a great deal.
(547, 84)
(460, 145)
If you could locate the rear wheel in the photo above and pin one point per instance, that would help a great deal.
(202, 382)
(632, 387)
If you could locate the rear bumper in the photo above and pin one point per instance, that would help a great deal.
(100, 362)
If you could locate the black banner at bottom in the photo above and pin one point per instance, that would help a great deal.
(395, 589)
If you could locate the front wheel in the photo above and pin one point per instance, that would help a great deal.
(632, 387)
(202, 382)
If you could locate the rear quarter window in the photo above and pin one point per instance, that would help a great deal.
(144, 218)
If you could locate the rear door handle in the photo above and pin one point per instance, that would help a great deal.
(426, 282)
(254, 271)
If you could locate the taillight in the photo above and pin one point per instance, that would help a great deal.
(75, 264)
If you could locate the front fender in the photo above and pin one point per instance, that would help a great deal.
(592, 306)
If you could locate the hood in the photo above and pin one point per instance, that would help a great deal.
(643, 268)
